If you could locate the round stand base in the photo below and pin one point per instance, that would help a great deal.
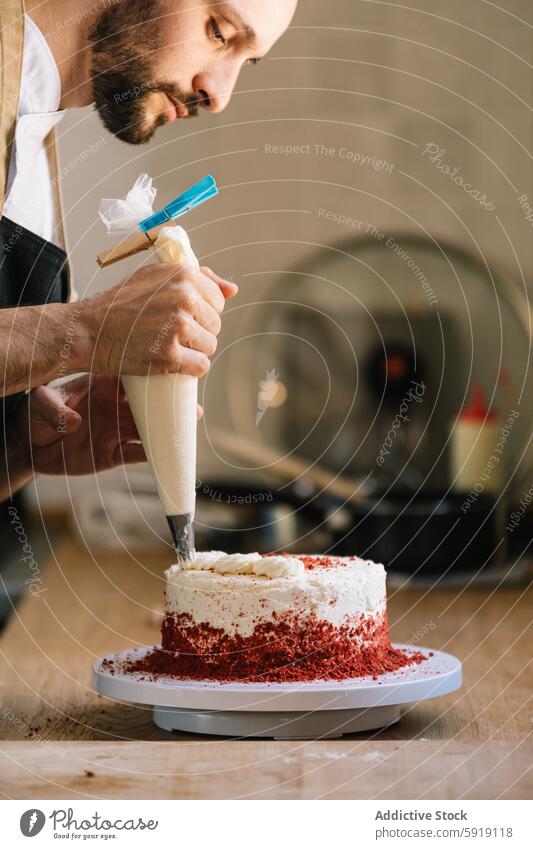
(279, 725)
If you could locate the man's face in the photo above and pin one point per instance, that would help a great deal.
(155, 62)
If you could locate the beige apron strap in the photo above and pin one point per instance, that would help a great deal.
(51, 152)
(11, 51)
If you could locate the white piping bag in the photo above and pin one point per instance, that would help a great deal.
(165, 406)
(170, 400)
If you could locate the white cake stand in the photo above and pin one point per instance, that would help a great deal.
(321, 709)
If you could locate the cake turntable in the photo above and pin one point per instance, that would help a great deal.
(295, 711)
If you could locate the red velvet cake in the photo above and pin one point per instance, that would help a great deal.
(244, 617)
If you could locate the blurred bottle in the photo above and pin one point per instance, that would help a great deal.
(475, 465)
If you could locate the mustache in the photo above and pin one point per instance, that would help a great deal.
(190, 101)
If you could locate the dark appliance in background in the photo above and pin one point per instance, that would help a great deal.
(376, 374)
(409, 389)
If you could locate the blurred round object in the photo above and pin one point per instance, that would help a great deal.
(347, 333)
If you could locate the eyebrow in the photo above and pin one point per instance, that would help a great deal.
(228, 9)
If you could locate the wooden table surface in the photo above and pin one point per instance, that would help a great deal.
(58, 739)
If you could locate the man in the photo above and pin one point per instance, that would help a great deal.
(142, 63)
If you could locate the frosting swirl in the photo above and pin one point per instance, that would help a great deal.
(271, 566)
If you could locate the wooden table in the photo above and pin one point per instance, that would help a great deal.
(60, 740)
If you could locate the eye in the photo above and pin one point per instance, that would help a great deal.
(253, 61)
(216, 34)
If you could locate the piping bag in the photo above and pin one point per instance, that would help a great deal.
(168, 399)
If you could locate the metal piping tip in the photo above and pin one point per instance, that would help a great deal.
(182, 531)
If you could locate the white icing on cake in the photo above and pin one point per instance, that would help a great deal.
(271, 566)
(238, 592)
(278, 566)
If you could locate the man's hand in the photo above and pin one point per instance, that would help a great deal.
(162, 320)
(83, 426)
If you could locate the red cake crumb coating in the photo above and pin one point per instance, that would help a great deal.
(281, 651)
(317, 561)
(311, 561)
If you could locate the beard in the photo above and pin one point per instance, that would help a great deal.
(124, 40)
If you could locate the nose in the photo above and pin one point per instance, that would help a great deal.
(213, 88)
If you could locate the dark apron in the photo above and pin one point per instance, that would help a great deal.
(32, 272)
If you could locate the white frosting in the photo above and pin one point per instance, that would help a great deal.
(272, 566)
(203, 560)
(278, 567)
(240, 591)
(236, 564)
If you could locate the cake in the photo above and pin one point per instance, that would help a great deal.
(247, 617)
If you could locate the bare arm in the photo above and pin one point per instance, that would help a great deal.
(40, 343)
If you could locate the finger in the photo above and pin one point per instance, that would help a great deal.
(209, 290)
(77, 386)
(50, 406)
(191, 362)
(228, 288)
(127, 428)
(199, 412)
(45, 402)
(130, 452)
(206, 316)
(197, 338)
(69, 421)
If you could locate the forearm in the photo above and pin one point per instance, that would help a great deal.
(41, 343)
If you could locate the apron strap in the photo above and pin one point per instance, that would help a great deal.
(11, 57)
(11, 51)
(51, 152)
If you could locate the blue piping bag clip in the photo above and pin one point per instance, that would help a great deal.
(193, 197)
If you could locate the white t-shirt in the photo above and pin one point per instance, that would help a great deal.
(30, 191)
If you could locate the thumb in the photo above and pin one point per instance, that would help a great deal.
(47, 403)
(227, 287)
